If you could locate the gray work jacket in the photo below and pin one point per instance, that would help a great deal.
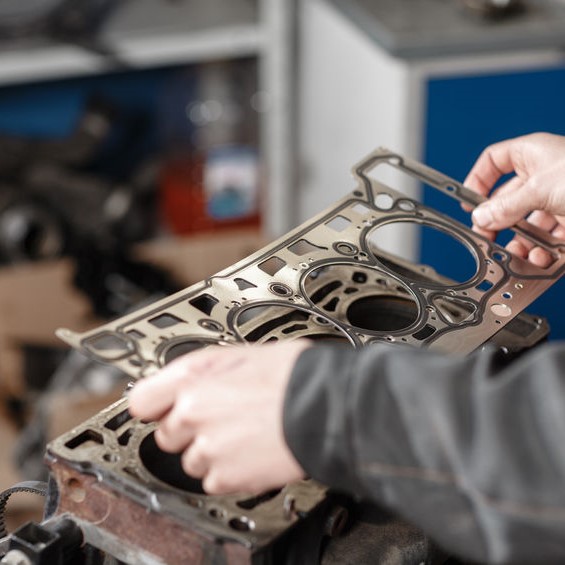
(471, 453)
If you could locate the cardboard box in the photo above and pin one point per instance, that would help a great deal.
(37, 298)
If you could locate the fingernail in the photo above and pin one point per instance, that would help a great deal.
(482, 216)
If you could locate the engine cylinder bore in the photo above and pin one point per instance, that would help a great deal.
(166, 467)
(382, 313)
(363, 297)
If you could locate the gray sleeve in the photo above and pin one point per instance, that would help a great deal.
(471, 453)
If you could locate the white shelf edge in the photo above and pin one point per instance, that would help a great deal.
(232, 42)
(62, 61)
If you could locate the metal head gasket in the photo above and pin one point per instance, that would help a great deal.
(328, 279)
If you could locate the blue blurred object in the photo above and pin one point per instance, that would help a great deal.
(52, 109)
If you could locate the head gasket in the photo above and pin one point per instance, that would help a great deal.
(328, 279)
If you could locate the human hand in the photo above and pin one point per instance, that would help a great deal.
(538, 189)
(221, 407)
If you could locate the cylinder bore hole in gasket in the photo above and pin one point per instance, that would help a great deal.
(383, 313)
(379, 303)
(395, 238)
(167, 467)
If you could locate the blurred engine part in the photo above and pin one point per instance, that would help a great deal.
(494, 9)
(48, 185)
(71, 197)
(69, 21)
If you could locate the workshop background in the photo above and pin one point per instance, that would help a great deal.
(146, 144)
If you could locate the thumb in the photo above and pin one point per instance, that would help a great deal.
(505, 209)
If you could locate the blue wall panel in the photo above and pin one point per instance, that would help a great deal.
(467, 113)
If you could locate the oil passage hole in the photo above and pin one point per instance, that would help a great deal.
(194, 502)
(165, 321)
(88, 438)
(205, 303)
(118, 420)
(407, 205)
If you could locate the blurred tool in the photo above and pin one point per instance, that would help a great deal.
(61, 198)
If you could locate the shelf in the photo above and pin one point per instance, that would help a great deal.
(145, 33)
(149, 33)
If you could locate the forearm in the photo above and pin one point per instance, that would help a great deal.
(480, 454)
